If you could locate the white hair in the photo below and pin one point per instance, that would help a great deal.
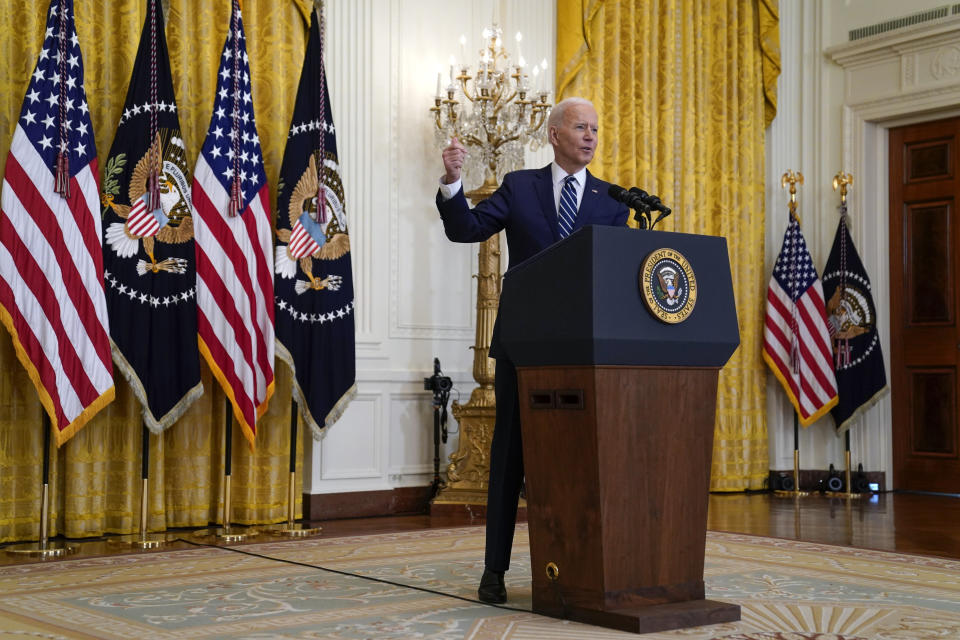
(556, 114)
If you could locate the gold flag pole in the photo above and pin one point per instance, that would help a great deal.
(793, 179)
(44, 548)
(842, 181)
(143, 540)
(292, 528)
(227, 532)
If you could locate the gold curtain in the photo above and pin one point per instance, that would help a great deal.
(95, 477)
(681, 87)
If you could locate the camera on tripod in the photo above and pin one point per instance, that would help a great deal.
(438, 383)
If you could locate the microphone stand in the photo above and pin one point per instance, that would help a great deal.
(641, 214)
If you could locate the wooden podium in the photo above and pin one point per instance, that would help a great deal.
(617, 411)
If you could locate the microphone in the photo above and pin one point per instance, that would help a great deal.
(629, 198)
(653, 202)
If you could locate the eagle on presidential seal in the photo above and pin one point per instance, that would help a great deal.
(318, 227)
(148, 225)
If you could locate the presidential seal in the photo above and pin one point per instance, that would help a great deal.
(668, 285)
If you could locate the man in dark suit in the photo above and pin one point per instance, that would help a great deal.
(536, 207)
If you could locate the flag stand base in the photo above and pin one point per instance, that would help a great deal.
(42, 550)
(141, 540)
(227, 534)
(791, 494)
(295, 530)
(841, 494)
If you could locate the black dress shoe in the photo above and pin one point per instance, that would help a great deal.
(492, 589)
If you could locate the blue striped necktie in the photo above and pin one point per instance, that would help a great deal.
(567, 214)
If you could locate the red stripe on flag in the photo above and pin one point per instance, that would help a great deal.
(208, 273)
(211, 271)
(33, 351)
(813, 364)
(46, 220)
(36, 280)
(823, 333)
(85, 217)
(243, 402)
(264, 274)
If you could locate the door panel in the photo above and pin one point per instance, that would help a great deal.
(925, 338)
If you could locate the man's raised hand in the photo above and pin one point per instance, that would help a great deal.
(453, 157)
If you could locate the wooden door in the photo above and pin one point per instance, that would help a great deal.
(925, 338)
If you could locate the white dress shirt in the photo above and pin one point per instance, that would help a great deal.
(580, 181)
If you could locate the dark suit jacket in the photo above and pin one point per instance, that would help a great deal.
(524, 207)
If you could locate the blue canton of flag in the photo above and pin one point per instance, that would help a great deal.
(794, 268)
(314, 278)
(49, 127)
(235, 150)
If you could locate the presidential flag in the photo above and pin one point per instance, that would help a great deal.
(852, 321)
(796, 342)
(314, 281)
(51, 261)
(234, 244)
(148, 240)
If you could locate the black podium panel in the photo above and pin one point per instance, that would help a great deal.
(579, 302)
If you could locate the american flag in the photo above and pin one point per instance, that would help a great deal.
(796, 341)
(234, 242)
(51, 265)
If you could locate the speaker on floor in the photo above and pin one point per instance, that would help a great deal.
(859, 482)
(783, 481)
(834, 480)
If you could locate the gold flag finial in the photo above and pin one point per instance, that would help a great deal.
(842, 181)
(793, 179)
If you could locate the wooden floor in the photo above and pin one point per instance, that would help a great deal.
(905, 522)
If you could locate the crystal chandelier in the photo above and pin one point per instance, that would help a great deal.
(495, 113)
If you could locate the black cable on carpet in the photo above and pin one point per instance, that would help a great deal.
(352, 575)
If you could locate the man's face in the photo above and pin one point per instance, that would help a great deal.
(575, 140)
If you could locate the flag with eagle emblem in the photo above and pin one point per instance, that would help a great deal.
(314, 278)
(51, 261)
(852, 321)
(148, 249)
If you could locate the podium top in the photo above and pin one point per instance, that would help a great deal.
(581, 302)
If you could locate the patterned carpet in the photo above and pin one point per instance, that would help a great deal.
(787, 590)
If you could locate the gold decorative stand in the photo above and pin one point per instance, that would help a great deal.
(292, 528)
(508, 116)
(469, 466)
(227, 532)
(44, 548)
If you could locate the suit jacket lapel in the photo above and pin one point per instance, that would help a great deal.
(589, 203)
(544, 188)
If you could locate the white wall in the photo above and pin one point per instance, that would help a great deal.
(415, 292)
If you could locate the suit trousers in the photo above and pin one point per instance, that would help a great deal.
(506, 469)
